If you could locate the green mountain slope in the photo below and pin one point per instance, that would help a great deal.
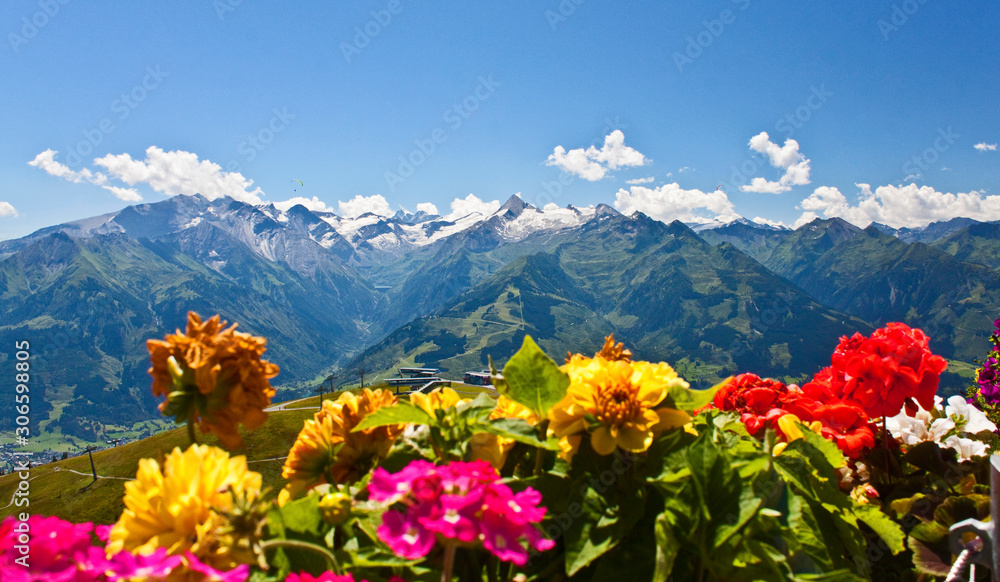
(88, 305)
(978, 243)
(664, 291)
(879, 278)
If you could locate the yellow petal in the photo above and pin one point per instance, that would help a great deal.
(634, 439)
(603, 441)
(568, 446)
(789, 425)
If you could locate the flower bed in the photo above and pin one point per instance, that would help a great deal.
(603, 468)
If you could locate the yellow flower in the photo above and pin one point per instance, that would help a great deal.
(492, 448)
(613, 401)
(213, 375)
(439, 398)
(788, 426)
(326, 451)
(172, 507)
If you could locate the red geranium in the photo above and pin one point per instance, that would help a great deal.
(843, 423)
(758, 400)
(880, 373)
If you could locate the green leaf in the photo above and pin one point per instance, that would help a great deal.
(518, 430)
(401, 413)
(690, 400)
(929, 457)
(888, 530)
(926, 560)
(605, 520)
(534, 379)
(378, 558)
(806, 471)
(302, 515)
(835, 576)
(827, 448)
(481, 406)
(667, 549)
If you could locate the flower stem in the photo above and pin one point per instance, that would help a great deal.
(191, 435)
(449, 562)
(885, 445)
(305, 546)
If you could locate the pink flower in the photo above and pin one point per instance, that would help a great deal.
(405, 536)
(455, 517)
(466, 502)
(156, 566)
(324, 577)
(237, 574)
(503, 538)
(385, 487)
(520, 508)
(56, 550)
(103, 532)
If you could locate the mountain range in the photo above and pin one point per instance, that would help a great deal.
(371, 293)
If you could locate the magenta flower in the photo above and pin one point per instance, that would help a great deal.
(465, 502)
(127, 566)
(237, 574)
(386, 487)
(56, 550)
(520, 508)
(324, 577)
(455, 517)
(405, 535)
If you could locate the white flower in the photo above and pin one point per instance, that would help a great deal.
(975, 420)
(907, 429)
(966, 448)
(925, 425)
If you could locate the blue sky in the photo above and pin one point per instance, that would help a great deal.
(892, 95)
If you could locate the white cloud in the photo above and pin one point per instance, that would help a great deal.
(640, 180)
(671, 202)
(684, 169)
(806, 218)
(786, 158)
(313, 203)
(913, 177)
(986, 147)
(900, 206)
(593, 164)
(179, 172)
(427, 208)
(376, 204)
(7, 209)
(471, 204)
(670, 174)
(46, 161)
(126, 194)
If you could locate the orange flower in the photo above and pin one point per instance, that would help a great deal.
(326, 451)
(213, 375)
